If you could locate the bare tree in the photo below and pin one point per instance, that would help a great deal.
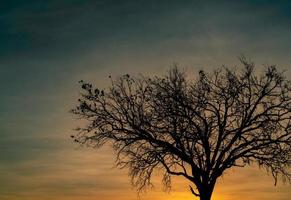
(195, 129)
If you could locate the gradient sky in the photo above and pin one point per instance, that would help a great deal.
(47, 46)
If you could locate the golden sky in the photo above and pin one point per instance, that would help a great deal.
(48, 46)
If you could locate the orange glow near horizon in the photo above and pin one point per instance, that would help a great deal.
(85, 174)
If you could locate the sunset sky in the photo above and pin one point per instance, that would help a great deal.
(47, 46)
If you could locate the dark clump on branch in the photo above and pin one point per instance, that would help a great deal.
(194, 129)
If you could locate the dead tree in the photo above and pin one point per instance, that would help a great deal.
(196, 129)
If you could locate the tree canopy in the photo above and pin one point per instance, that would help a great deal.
(193, 128)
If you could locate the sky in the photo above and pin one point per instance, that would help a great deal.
(47, 46)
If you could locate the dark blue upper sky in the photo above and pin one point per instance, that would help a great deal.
(48, 28)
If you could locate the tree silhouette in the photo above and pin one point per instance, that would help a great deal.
(196, 129)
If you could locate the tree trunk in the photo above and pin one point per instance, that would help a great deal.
(205, 196)
(206, 192)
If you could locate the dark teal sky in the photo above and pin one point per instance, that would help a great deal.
(46, 46)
